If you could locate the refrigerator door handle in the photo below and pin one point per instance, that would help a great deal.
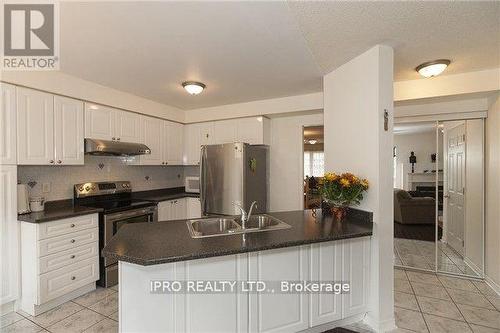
(202, 180)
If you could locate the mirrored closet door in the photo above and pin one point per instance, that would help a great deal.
(460, 245)
(415, 197)
(439, 196)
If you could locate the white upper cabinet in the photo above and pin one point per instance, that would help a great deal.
(225, 131)
(99, 122)
(173, 143)
(152, 129)
(49, 129)
(35, 127)
(68, 131)
(105, 123)
(196, 135)
(127, 126)
(8, 124)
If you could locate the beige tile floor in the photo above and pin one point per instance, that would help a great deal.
(424, 302)
(421, 254)
(96, 311)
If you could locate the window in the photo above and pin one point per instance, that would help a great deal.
(314, 163)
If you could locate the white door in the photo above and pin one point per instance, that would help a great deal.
(356, 270)
(225, 131)
(455, 191)
(99, 122)
(174, 143)
(191, 144)
(128, 126)
(193, 208)
(68, 131)
(180, 209)
(279, 312)
(206, 133)
(326, 266)
(152, 129)
(9, 234)
(35, 127)
(8, 124)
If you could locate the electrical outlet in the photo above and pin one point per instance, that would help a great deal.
(46, 187)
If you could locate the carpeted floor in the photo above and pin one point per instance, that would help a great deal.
(425, 232)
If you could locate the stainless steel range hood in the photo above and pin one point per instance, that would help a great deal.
(114, 148)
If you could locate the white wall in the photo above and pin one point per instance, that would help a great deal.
(71, 86)
(423, 144)
(286, 161)
(492, 226)
(355, 96)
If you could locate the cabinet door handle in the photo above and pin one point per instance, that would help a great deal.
(166, 163)
(73, 278)
(51, 161)
(72, 241)
(118, 139)
(72, 256)
(113, 138)
(59, 161)
(72, 225)
(162, 163)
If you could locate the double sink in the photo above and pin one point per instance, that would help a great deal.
(223, 226)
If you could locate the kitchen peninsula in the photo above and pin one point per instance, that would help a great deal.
(315, 248)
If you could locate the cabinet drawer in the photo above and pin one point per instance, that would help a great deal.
(66, 226)
(68, 257)
(64, 280)
(66, 242)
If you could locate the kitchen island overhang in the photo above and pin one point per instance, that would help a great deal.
(315, 248)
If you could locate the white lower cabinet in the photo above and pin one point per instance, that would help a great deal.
(279, 312)
(343, 261)
(193, 208)
(170, 210)
(60, 261)
(325, 265)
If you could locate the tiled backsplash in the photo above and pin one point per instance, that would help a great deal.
(96, 168)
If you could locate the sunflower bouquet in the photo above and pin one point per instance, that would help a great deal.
(342, 191)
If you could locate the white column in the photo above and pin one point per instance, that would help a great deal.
(355, 97)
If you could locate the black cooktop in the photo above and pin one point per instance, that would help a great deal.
(112, 206)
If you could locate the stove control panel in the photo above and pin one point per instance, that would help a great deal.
(101, 188)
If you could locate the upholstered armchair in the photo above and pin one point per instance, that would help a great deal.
(413, 210)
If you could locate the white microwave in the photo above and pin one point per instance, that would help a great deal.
(192, 184)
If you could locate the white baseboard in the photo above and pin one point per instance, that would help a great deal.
(495, 286)
(35, 310)
(7, 307)
(381, 326)
(333, 324)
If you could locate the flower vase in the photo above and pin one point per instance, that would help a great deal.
(339, 212)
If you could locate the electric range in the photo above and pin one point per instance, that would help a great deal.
(119, 208)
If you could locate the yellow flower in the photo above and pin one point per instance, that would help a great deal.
(345, 182)
(330, 176)
(365, 183)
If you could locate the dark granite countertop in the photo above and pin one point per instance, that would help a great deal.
(163, 242)
(164, 194)
(56, 210)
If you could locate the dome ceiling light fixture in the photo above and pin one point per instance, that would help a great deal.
(193, 87)
(432, 68)
(313, 142)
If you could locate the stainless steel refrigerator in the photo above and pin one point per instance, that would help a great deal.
(233, 173)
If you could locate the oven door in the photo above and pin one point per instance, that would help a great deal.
(113, 223)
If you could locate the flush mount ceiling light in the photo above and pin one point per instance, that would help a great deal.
(312, 142)
(193, 87)
(432, 68)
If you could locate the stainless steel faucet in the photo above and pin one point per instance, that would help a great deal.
(244, 216)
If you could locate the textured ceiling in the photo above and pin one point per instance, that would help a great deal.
(466, 32)
(242, 51)
(245, 51)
